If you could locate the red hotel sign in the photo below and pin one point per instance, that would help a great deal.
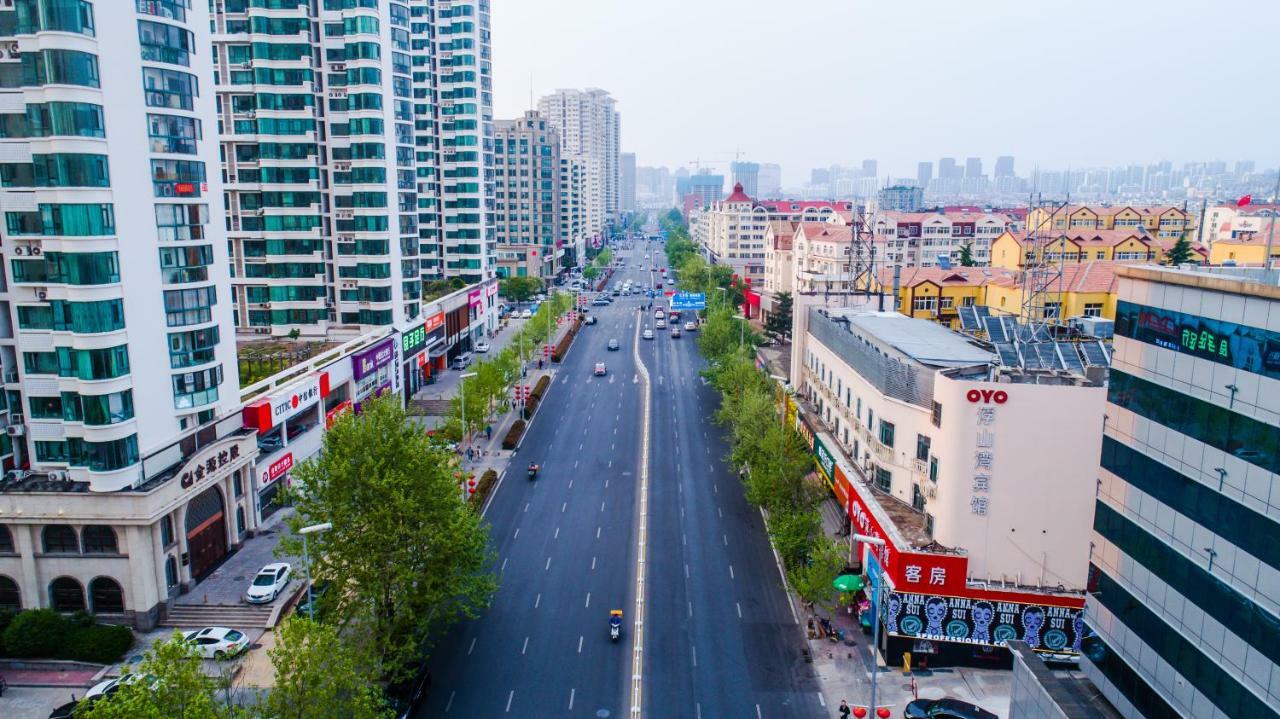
(987, 396)
(278, 468)
(909, 571)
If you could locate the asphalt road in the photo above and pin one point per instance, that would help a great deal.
(720, 637)
(565, 550)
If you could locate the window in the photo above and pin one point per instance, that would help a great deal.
(10, 597)
(106, 409)
(166, 531)
(1093, 309)
(80, 119)
(933, 470)
(99, 539)
(66, 595)
(922, 447)
(170, 573)
(60, 539)
(194, 347)
(6, 542)
(917, 498)
(180, 223)
(174, 134)
(884, 479)
(886, 433)
(105, 596)
(928, 303)
(162, 42)
(65, 169)
(93, 364)
(936, 414)
(169, 88)
(60, 67)
(189, 307)
(195, 389)
(177, 178)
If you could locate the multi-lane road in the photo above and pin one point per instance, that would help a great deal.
(719, 637)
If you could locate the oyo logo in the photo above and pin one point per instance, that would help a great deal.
(987, 396)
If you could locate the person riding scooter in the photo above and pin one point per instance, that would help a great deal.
(533, 470)
(615, 624)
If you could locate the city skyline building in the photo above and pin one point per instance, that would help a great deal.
(770, 180)
(746, 174)
(527, 197)
(590, 129)
(627, 162)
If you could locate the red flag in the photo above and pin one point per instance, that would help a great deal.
(1244, 200)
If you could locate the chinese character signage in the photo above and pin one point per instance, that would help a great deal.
(474, 298)
(266, 413)
(1252, 349)
(985, 621)
(984, 442)
(206, 465)
(825, 462)
(371, 360)
(277, 468)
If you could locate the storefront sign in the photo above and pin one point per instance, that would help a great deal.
(266, 413)
(277, 468)
(825, 462)
(207, 464)
(332, 415)
(371, 360)
(474, 298)
(987, 396)
(1044, 627)
(413, 340)
(908, 569)
(491, 290)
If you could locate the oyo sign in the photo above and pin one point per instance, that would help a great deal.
(987, 396)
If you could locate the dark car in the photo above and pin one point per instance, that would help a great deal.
(947, 708)
(318, 590)
(613, 345)
(405, 696)
(66, 711)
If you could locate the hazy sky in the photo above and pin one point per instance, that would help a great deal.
(819, 82)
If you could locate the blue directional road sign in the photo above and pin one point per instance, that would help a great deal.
(688, 301)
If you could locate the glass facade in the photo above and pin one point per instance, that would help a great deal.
(1245, 348)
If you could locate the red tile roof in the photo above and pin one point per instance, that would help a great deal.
(738, 195)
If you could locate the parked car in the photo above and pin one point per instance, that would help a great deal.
(269, 582)
(482, 346)
(647, 334)
(218, 642)
(600, 369)
(66, 711)
(461, 361)
(525, 314)
(613, 345)
(318, 589)
(108, 687)
(947, 708)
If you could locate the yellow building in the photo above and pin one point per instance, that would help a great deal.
(1013, 251)
(1246, 248)
(1165, 221)
(1085, 289)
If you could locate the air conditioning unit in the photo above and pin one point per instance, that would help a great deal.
(15, 430)
(16, 474)
(19, 250)
(58, 475)
(42, 293)
(34, 250)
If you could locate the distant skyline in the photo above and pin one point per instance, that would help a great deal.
(831, 82)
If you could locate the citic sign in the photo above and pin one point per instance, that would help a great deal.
(987, 396)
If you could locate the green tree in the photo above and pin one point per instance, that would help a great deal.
(673, 217)
(812, 579)
(1181, 252)
(409, 558)
(966, 255)
(318, 675)
(590, 272)
(779, 322)
(519, 289)
(174, 686)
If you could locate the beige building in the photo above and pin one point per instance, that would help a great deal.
(527, 196)
(733, 232)
(920, 239)
(590, 128)
(1159, 220)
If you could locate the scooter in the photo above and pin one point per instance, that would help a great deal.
(615, 624)
(533, 472)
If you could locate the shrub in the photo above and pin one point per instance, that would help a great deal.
(530, 407)
(35, 633)
(540, 388)
(98, 643)
(483, 488)
(6, 618)
(513, 435)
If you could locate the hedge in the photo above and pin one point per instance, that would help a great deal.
(540, 388)
(483, 488)
(513, 435)
(530, 407)
(46, 634)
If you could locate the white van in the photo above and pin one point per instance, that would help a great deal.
(462, 361)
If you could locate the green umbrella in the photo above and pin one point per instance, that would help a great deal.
(848, 583)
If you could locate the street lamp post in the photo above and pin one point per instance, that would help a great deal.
(462, 393)
(306, 563)
(878, 591)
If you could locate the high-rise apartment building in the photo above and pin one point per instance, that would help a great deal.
(770, 180)
(746, 174)
(356, 146)
(973, 167)
(590, 129)
(949, 170)
(870, 168)
(1004, 166)
(526, 155)
(573, 216)
(707, 188)
(1185, 576)
(924, 173)
(628, 180)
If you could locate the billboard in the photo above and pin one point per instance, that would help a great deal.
(688, 301)
(990, 622)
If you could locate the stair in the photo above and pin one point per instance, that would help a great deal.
(236, 616)
(429, 407)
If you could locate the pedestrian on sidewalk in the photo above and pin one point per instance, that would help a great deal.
(488, 431)
(844, 709)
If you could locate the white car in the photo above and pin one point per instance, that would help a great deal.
(647, 334)
(690, 326)
(525, 314)
(482, 347)
(107, 687)
(660, 324)
(217, 642)
(600, 369)
(267, 585)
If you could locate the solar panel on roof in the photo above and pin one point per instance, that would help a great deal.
(968, 319)
(1008, 355)
(995, 330)
(1070, 360)
(1031, 358)
(982, 311)
(1012, 329)
(1095, 355)
(1048, 355)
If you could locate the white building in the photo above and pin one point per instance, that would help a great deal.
(1186, 574)
(528, 203)
(590, 129)
(346, 191)
(979, 478)
(920, 239)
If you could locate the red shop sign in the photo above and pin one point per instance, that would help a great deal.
(277, 468)
(332, 415)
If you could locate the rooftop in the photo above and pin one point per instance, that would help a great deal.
(920, 341)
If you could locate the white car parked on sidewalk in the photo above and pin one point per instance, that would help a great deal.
(269, 582)
(217, 642)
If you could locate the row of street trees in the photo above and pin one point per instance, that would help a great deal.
(775, 456)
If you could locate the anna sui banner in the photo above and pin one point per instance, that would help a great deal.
(982, 621)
